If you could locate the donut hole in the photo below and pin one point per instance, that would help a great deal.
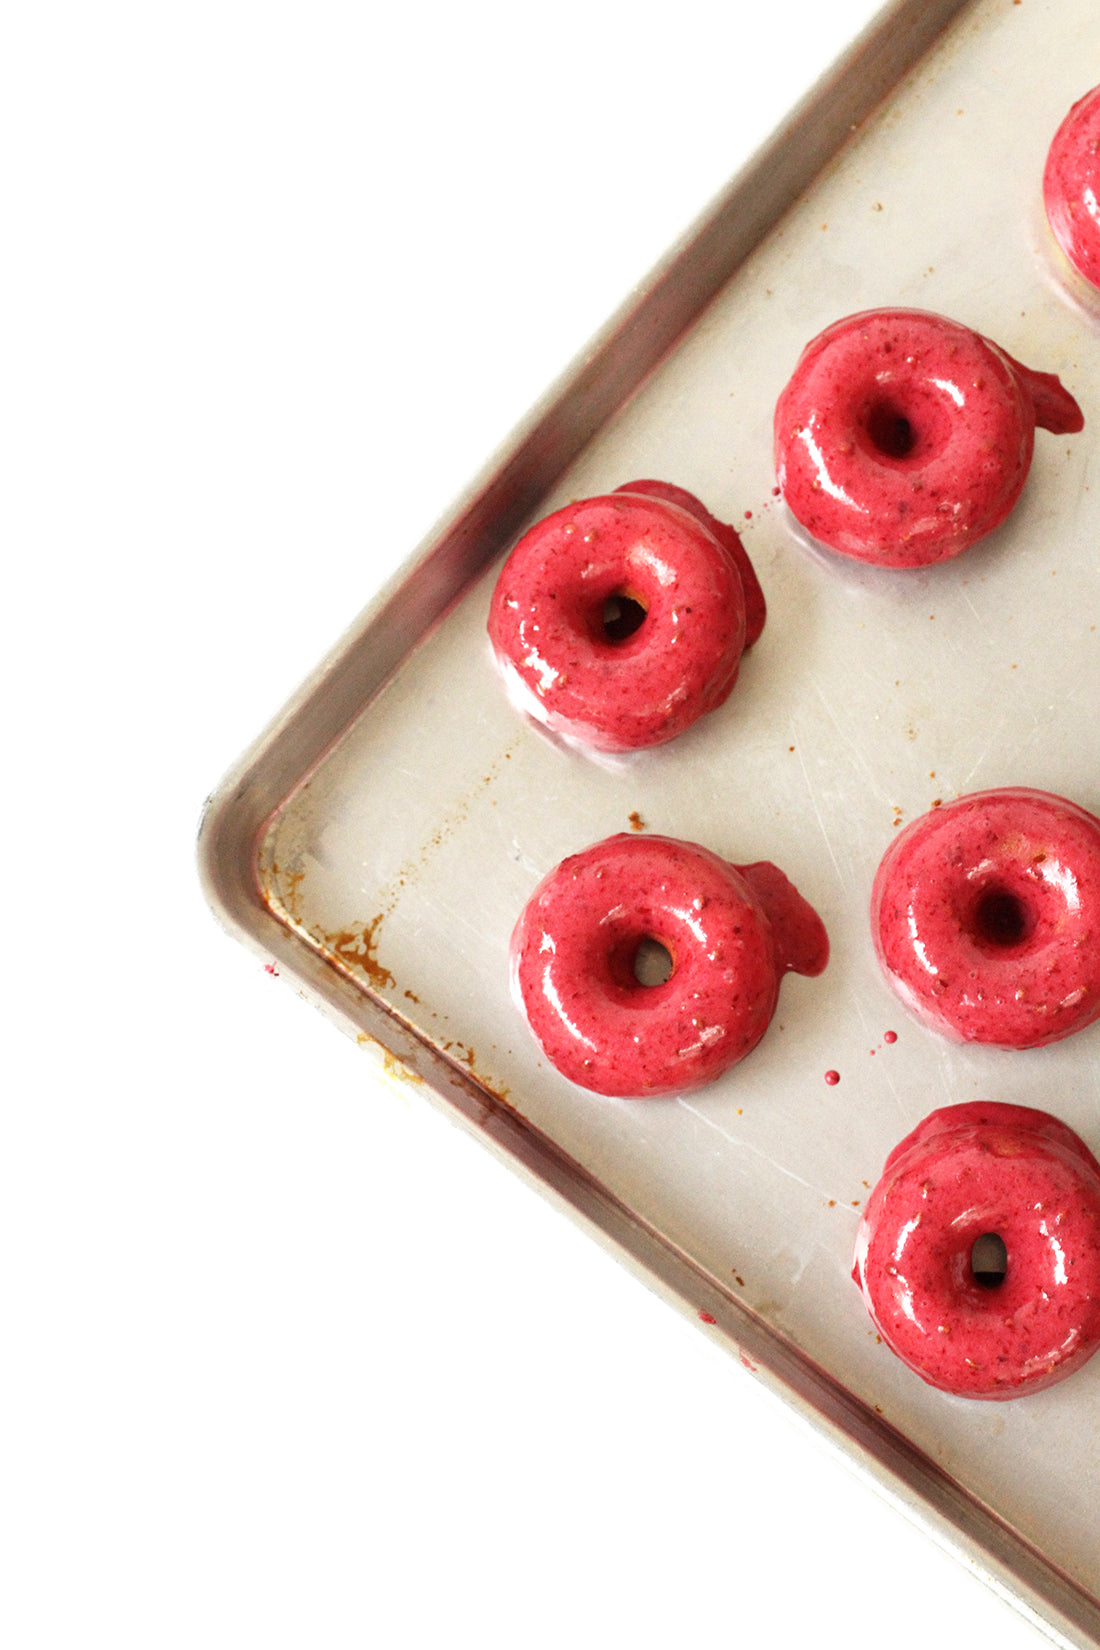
(621, 616)
(652, 962)
(889, 430)
(989, 1260)
(907, 424)
(637, 962)
(1001, 918)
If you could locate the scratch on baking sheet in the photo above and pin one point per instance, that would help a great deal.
(966, 598)
(987, 745)
(960, 646)
(948, 1078)
(1082, 689)
(820, 820)
(870, 774)
(747, 1145)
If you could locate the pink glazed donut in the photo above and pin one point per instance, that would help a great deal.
(903, 438)
(978, 1253)
(620, 620)
(1071, 187)
(730, 932)
(986, 918)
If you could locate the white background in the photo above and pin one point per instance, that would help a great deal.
(287, 1360)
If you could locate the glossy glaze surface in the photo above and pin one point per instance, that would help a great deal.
(730, 931)
(1071, 186)
(902, 437)
(657, 547)
(968, 1171)
(986, 917)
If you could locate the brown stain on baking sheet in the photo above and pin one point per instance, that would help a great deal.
(282, 888)
(498, 1093)
(464, 1055)
(356, 948)
(450, 822)
(392, 1067)
(395, 1068)
(458, 1053)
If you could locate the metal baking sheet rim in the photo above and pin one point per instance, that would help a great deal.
(235, 817)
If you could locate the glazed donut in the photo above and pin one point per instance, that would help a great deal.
(729, 931)
(1000, 1181)
(620, 620)
(902, 438)
(1071, 187)
(986, 918)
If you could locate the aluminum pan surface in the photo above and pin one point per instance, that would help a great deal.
(411, 849)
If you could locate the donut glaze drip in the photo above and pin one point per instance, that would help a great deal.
(979, 1172)
(903, 438)
(730, 933)
(1071, 187)
(620, 620)
(985, 915)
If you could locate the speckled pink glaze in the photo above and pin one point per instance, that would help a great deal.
(965, 1172)
(1071, 186)
(732, 932)
(986, 917)
(659, 546)
(903, 438)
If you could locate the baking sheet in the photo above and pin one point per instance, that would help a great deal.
(406, 855)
